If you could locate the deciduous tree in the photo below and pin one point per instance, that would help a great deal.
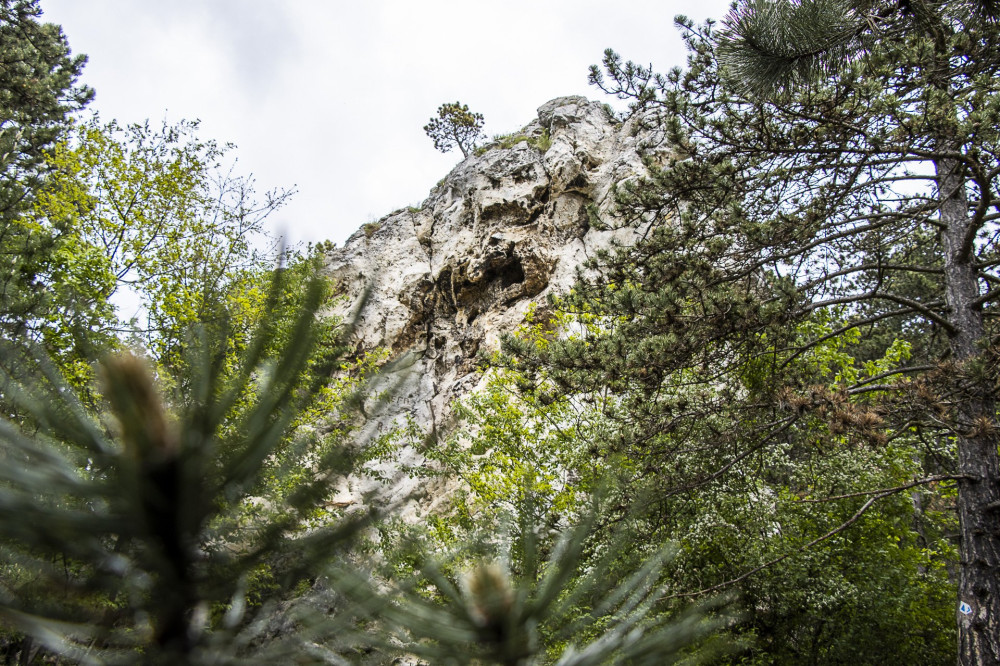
(156, 213)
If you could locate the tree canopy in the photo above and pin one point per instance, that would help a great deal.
(38, 94)
(815, 283)
(455, 126)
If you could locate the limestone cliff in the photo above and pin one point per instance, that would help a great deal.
(505, 228)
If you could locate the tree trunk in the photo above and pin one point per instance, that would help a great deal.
(978, 608)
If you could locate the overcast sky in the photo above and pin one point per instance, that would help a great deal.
(329, 97)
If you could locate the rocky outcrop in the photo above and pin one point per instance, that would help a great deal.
(504, 229)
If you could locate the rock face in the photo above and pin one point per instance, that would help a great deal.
(503, 230)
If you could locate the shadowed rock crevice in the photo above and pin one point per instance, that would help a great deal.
(511, 273)
(485, 284)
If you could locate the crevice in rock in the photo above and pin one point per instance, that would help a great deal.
(524, 174)
(509, 212)
(476, 288)
(579, 184)
(535, 214)
(511, 273)
(513, 213)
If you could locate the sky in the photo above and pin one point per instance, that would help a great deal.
(330, 97)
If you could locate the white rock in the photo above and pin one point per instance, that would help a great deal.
(502, 231)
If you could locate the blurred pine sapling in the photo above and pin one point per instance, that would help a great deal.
(125, 529)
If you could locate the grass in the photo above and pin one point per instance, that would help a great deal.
(540, 142)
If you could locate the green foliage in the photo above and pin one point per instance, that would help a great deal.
(785, 349)
(146, 511)
(771, 45)
(527, 467)
(153, 212)
(516, 439)
(38, 94)
(321, 248)
(143, 509)
(455, 126)
(793, 515)
(198, 527)
(540, 596)
(817, 35)
(541, 141)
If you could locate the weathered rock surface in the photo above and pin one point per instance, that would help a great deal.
(503, 230)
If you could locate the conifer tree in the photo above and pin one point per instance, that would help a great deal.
(38, 94)
(146, 506)
(865, 196)
(455, 126)
(948, 72)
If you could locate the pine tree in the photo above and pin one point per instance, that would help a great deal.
(148, 511)
(948, 57)
(455, 126)
(866, 195)
(38, 95)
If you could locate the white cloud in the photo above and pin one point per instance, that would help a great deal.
(331, 96)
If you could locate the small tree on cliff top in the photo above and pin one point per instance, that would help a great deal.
(454, 126)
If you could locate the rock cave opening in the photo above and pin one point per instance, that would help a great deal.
(511, 273)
